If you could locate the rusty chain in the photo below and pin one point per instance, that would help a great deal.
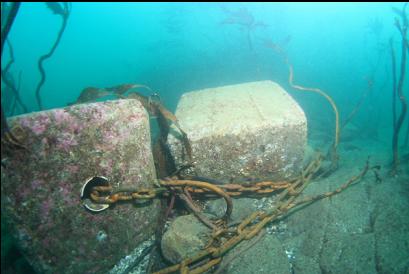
(233, 190)
(225, 237)
(106, 194)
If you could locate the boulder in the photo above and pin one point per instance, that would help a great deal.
(185, 237)
(363, 229)
(40, 186)
(264, 253)
(246, 132)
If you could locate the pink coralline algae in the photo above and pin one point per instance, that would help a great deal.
(61, 116)
(70, 123)
(97, 113)
(45, 147)
(46, 242)
(136, 117)
(37, 124)
(120, 133)
(65, 189)
(115, 136)
(125, 132)
(72, 168)
(45, 209)
(75, 127)
(110, 137)
(38, 128)
(93, 108)
(106, 165)
(43, 194)
(25, 192)
(65, 141)
(66, 192)
(36, 184)
(23, 195)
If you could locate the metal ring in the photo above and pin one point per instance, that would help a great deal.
(86, 193)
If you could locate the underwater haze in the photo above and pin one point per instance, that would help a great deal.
(343, 49)
(178, 47)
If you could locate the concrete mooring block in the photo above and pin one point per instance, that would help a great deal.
(40, 186)
(246, 132)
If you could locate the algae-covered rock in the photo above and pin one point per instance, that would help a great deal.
(40, 186)
(184, 238)
(250, 131)
(264, 253)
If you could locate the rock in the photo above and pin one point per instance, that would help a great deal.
(304, 237)
(40, 187)
(346, 253)
(363, 229)
(252, 131)
(242, 208)
(185, 236)
(391, 225)
(264, 256)
(137, 261)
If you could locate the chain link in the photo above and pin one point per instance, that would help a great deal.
(109, 195)
(227, 238)
(224, 238)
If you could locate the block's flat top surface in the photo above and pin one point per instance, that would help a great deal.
(236, 108)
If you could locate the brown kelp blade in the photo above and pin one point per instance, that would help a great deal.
(154, 107)
(172, 118)
(90, 94)
(165, 118)
(55, 7)
(141, 98)
(5, 29)
(4, 125)
(122, 89)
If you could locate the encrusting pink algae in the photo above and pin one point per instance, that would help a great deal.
(40, 188)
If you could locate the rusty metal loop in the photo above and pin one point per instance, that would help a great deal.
(87, 193)
(202, 185)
